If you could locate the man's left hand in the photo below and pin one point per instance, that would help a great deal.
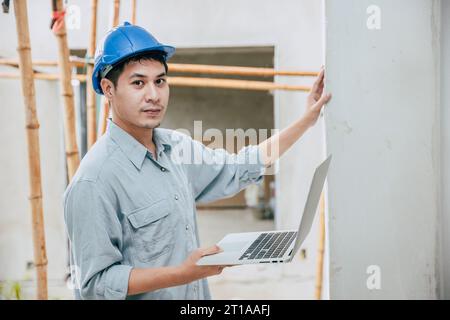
(316, 99)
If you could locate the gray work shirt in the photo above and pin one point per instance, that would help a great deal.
(125, 209)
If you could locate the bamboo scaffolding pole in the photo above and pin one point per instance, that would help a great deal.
(233, 84)
(72, 156)
(74, 62)
(320, 250)
(42, 76)
(16, 65)
(190, 68)
(91, 111)
(116, 13)
(133, 11)
(190, 82)
(32, 128)
(231, 70)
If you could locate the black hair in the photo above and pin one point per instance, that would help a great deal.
(117, 69)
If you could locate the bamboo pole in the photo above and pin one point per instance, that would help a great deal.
(320, 250)
(232, 84)
(133, 11)
(116, 13)
(16, 65)
(189, 82)
(32, 127)
(74, 62)
(189, 68)
(232, 70)
(72, 156)
(90, 99)
(42, 76)
(15, 62)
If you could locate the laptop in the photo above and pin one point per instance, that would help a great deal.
(270, 246)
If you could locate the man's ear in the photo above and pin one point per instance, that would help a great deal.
(107, 88)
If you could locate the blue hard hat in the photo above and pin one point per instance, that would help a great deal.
(120, 43)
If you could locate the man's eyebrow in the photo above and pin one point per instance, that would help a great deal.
(137, 75)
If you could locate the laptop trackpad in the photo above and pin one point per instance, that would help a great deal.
(232, 245)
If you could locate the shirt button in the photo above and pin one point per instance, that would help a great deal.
(176, 197)
(187, 227)
(163, 169)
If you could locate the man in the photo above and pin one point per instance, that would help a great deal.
(130, 209)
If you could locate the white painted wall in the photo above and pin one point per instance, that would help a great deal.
(295, 29)
(383, 128)
(445, 147)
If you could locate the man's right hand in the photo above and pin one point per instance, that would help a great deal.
(191, 272)
(149, 279)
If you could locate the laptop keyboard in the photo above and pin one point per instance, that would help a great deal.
(269, 245)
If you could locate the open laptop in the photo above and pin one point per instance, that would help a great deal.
(270, 246)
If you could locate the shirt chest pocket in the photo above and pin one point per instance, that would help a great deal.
(152, 229)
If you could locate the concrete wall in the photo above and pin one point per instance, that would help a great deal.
(383, 128)
(445, 147)
(293, 28)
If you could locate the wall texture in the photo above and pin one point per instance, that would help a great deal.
(383, 128)
(445, 147)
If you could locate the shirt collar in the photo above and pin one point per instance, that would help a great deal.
(133, 149)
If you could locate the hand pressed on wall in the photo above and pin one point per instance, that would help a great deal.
(316, 99)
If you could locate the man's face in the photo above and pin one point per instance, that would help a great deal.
(141, 96)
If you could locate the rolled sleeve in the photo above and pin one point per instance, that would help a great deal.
(221, 174)
(254, 165)
(116, 287)
(95, 235)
